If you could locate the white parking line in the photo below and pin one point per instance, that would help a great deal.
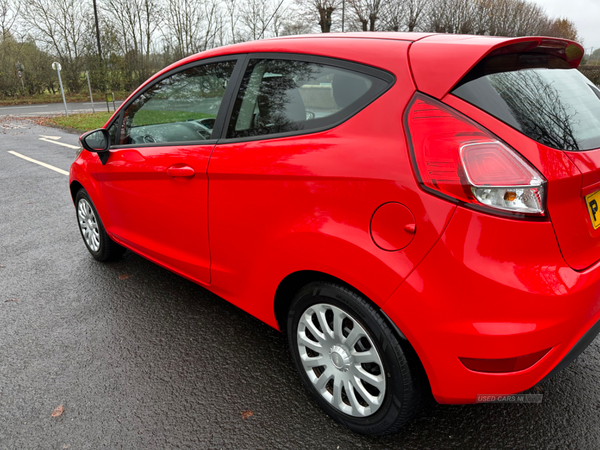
(59, 143)
(43, 164)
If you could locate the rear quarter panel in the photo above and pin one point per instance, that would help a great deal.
(282, 205)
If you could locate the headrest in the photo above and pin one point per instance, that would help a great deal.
(347, 89)
(279, 101)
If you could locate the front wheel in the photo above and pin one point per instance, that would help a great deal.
(350, 360)
(99, 244)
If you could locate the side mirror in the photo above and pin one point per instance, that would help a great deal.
(96, 141)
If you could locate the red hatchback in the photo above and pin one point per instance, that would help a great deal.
(415, 211)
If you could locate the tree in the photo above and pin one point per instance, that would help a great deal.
(562, 28)
(192, 26)
(593, 58)
(291, 27)
(37, 73)
(9, 11)
(415, 10)
(404, 15)
(321, 12)
(366, 12)
(257, 16)
(61, 26)
(137, 23)
(136, 38)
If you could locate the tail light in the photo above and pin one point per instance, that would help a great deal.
(457, 159)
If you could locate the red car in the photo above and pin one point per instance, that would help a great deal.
(415, 211)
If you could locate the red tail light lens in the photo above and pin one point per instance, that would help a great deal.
(454, 157)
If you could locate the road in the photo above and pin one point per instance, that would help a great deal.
(53, 108)
(140, 358)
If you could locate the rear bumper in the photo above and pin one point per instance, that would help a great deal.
(495, 288)
(577, 349)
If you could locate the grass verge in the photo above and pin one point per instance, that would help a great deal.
(79, 123)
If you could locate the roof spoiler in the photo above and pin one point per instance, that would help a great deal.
(440, 61)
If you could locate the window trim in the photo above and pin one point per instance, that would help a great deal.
(365, 69)
(228, 96)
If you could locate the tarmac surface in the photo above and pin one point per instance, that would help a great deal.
(140, 358)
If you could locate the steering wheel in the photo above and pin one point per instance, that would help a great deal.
(203, 130)
(208, 122)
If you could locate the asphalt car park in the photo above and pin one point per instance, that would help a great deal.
(141, 358)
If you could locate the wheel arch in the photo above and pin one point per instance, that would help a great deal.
(74, 188)
(81, 179)
(291, 284)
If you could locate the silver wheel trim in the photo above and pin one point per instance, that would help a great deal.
(334, 360)
(88, 224)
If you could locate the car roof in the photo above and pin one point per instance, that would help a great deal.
(312, 41)
(437, 61)
(393, 35)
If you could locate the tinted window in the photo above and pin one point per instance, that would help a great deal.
(282, 96)
(182, 107)
(539, 95)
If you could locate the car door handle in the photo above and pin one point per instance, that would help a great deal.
(180, 171)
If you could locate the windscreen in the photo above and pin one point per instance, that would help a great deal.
(539, 95)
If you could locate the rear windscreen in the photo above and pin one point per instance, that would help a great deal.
(539, 95)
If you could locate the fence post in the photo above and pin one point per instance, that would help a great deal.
(90, 88)
(56, 66)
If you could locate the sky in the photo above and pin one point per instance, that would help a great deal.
(585, 14)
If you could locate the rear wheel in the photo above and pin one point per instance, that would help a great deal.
(101, 247)
(351, 361)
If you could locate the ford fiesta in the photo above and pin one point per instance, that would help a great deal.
(417, 212)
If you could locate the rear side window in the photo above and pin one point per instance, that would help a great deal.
(539, 95)
(285, 96)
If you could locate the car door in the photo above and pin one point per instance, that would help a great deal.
(154, 181)
(298, 175)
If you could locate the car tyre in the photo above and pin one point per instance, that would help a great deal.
(373, 379)
(97, 241)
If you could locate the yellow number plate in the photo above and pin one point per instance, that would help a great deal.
(593, 205)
